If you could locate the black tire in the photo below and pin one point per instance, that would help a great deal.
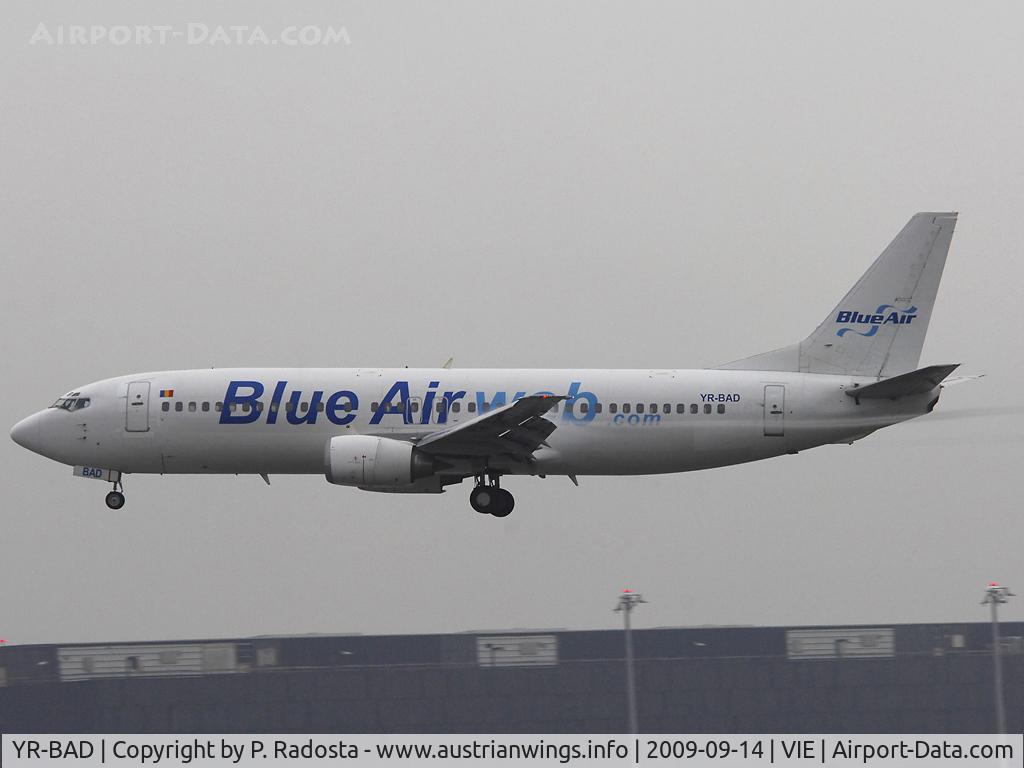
(505, 503)
(115, 499)
(483, 498)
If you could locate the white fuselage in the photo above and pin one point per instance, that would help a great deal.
(419, 430)
(616, 422)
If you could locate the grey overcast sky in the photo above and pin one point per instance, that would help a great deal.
(513, 184)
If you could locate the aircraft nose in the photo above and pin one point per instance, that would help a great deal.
(26, 433)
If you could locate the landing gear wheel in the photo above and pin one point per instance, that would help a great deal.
(483, 499)
(504, 503)
(115, 499)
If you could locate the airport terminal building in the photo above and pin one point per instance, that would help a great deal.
(911, 678)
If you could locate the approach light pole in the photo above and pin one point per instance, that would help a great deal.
(629, 600)
(994, 595)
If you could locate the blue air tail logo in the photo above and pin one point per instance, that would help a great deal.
(886, 314)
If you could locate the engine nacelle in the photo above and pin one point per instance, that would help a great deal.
(365, 460)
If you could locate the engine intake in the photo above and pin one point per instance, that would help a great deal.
(365, 460)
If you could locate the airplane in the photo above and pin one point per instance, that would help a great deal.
(401, 430)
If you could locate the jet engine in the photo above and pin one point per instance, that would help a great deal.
(365, 460)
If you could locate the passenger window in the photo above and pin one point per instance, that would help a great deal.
(707, 407)
(206, 406)
(654, 407)
(415, 406)
(597, 408)
(320, 407)
(471, 407)
(165, 406)
(639, 407)
(374, 406)
(178, 406)
(584, 407)
(192, 407)
(290, 406)
(234, 407)
(613, 407)
(456, 407)
(246, 407)
(667, 408)
(304, 407)
(484, 407)
(680, 408)
(259, 406)
(348, 406)
(721, 407)
(625, 407)
(218, 406)
(274, 407)
(693, 408)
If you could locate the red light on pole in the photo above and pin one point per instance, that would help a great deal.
(994, 595)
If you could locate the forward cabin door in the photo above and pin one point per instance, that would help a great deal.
(136, 417)
(774, 410)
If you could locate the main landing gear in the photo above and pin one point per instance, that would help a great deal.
(489, 498)
(115, 499)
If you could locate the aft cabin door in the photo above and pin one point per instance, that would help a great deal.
(774, 410)
(137, 416)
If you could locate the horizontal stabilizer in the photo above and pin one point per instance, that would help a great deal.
(916, 382)
(962, 380)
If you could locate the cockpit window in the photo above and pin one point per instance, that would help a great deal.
(71, 403)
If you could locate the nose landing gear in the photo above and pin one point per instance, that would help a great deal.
(115, 499)
(489, 498)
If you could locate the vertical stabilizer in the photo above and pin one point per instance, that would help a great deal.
(878, 328)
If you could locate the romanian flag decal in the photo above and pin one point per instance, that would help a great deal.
(166, 393)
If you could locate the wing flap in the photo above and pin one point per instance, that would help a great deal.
(531, 432)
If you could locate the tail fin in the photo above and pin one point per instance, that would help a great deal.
(878, 328)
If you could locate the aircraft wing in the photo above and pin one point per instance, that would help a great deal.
(517, 429)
